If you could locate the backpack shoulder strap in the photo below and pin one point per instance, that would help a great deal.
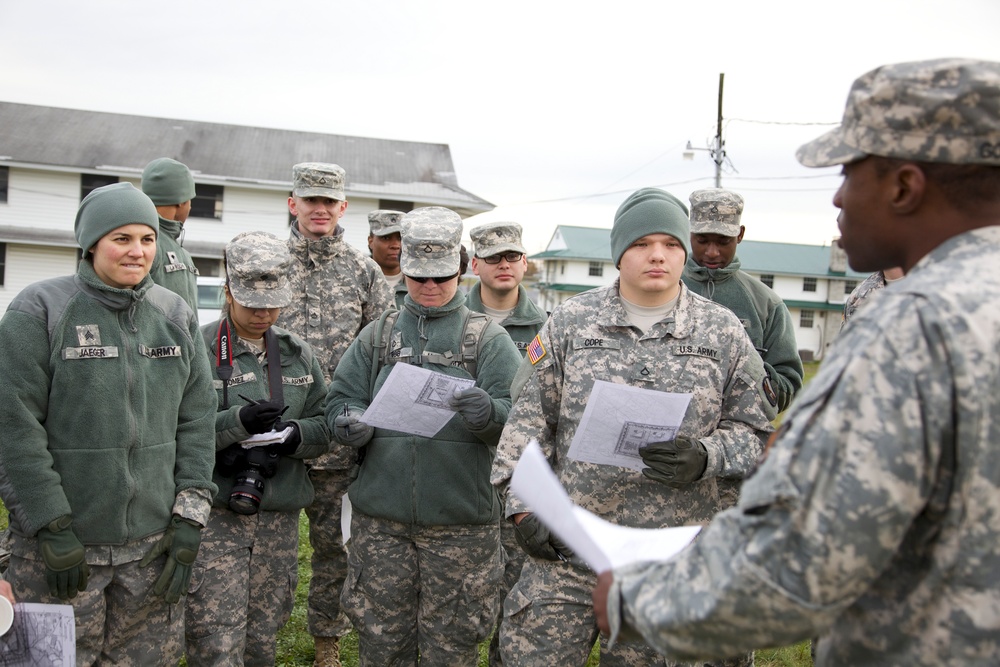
(472, 340)
(380, 343)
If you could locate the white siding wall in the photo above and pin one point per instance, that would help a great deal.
(41, 199)
(27, 264)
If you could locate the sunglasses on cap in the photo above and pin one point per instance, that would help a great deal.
(511, 257)
(437, 279)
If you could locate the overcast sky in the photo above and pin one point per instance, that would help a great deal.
(554, 111)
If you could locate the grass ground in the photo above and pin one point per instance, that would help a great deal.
(295, 645)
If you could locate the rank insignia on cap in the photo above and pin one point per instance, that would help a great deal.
(536, 351)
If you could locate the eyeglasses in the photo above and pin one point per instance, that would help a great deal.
(436, 279)
(511, 257)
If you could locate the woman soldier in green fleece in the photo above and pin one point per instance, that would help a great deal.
(244, 580)
(106, 452)
(424, 563)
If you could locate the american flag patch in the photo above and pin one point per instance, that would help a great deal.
(536, 351)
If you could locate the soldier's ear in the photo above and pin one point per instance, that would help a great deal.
(907, 185)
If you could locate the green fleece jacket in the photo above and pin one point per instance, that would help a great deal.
(764, 316)
(173, 267)
(108, 407)
(444, 480)
(522, 324)
(304, 393)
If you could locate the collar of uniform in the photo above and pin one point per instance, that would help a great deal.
(171, 228)
(112, 297)
(456, 302)
(677, 324)
(698, 272)
(316, 249)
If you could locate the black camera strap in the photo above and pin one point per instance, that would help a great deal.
(224, 359)
(274, 366)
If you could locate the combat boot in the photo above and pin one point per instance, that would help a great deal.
(327, 652)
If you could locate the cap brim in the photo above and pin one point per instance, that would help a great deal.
(318, 192)
(828, 150)
(388, 230)
(252, 298)
(503, 247)
(437, 268)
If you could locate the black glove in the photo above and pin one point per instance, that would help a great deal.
(474, 405)
(180, 543)
(66, 569)
(350, 431)
(260, 417)
(536, 540)
(676, 462)
(291, 443)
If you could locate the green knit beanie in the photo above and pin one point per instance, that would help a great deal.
(167, 182)
(106, 209)
(649, 211)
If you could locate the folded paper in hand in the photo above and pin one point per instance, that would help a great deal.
(269, 438)
(601, 544)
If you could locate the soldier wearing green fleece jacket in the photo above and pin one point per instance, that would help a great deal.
(108, 446)
(713, 271)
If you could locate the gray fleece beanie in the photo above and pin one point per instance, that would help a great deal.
(108, 208)
(167, 182)
(649, 211)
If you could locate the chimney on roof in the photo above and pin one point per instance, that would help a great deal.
(838, 258)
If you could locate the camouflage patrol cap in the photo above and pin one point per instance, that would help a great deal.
(318, 179)
(432, 236)
(257, 265)
(945, 110)
(493, 238)
(716, 211)
(383, 223)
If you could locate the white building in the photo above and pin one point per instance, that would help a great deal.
(813, 281)
(50, 158)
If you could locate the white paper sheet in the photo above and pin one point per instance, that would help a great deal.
(42, 634)
(601, 544)
(270, 438)
(620, 419)
(414, 400)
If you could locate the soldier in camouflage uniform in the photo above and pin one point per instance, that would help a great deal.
(875, 518)
(243, 587)
(646, 330)
(336, 291)
(385, 246)
(425, 553)
(867, 287)
(499, 259)
(171, 187)
(713, 271)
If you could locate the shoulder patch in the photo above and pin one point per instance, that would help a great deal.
(536, 351)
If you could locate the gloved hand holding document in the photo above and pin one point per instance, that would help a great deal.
(601, 544)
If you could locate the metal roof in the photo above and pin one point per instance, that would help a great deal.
(765, 257)
(92, 141)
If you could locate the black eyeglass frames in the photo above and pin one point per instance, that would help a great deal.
(511, 257)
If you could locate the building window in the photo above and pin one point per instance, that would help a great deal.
(4, 180)
(207, 203)
(767, 279)
(806, 318)
(808, 285)
(849, 286)
(562, 268)
(596, 269)
(3, 262)
(395, 205)
(90, 182)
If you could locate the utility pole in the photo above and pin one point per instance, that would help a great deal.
(717, 151)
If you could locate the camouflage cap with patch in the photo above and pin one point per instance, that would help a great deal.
(318, 179)
(257, 265)
(432, 236)
(716, 211)
(945, 110)
(383, 223)
(493, 238)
